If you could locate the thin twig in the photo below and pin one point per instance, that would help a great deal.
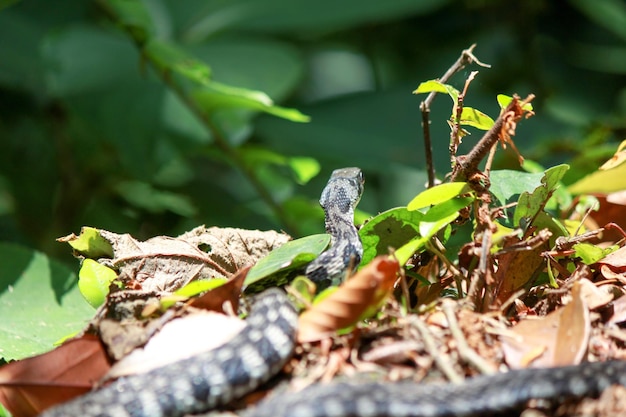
(468, 164)
(467, 57)
(442, 360)
(456, 126)
(465, 351)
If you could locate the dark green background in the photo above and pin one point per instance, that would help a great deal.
(89, 135)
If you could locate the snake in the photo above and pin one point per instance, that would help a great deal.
(213, 379)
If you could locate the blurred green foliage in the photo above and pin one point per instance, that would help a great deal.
(151, 117)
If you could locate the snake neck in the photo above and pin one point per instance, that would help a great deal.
(339, 199)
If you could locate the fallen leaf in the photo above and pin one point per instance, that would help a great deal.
(516, 269)
(594, 297)
(558, 339)
(615, 260)
(230, 292)
(350, 302)
(29, 386)
(619, 311)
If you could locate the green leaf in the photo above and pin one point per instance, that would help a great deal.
(438, 87)
(304, 168)
(291, 255)
(507, 183)
(94, 280)
(283, 16)
(199, 286)
(442, 214)
(255, 62)
(590, 254)
(91, 244)
(530, 204)
(170, 57)
(79, 60)
(39, 302)
(216, 96)
(610, 14)
(143, 195)
(475, 118)
(133, 15)
(601, 182)
(438, 194)
(390, 229)
(504, 101)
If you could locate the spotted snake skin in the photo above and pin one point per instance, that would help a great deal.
(339, 199)
(215, 378)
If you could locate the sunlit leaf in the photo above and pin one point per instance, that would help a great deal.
(475, 118)
(618, 159)
(390, 229)
(89, 243)
(504, 100)
(441, 215)
(438, 87)
(590, 254)
(304, 168)
(199, 286)
(291, 255)
(438, 194)
(39, 302)
(217, 96)
(94, 280)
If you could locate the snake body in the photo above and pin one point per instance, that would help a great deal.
(339, 199)
(211, 379)
(203, 381)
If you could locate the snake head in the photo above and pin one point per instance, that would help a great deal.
(343, 190)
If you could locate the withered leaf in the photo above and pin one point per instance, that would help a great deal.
(558, 339)
(29, 386)
(350, 302)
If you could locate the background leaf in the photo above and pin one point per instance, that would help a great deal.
(39, 302)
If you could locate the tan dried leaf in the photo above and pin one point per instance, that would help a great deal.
(558, 339)
(165, 264)
(348, 304)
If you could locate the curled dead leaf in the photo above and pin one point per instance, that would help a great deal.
(351, 301)
(558, 339)
(29, 386)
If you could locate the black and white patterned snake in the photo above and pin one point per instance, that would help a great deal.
(215, 378)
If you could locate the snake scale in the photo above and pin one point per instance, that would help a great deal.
(212, 379)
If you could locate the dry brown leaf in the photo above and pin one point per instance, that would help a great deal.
(558, 339)
(166, 264)
(619, 311)
(215, 299)
(29, 386)
(594, 297)
(350, 301)
(616, 260)
(515, 269)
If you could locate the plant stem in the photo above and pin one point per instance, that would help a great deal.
(467, 57)
(220, 141)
